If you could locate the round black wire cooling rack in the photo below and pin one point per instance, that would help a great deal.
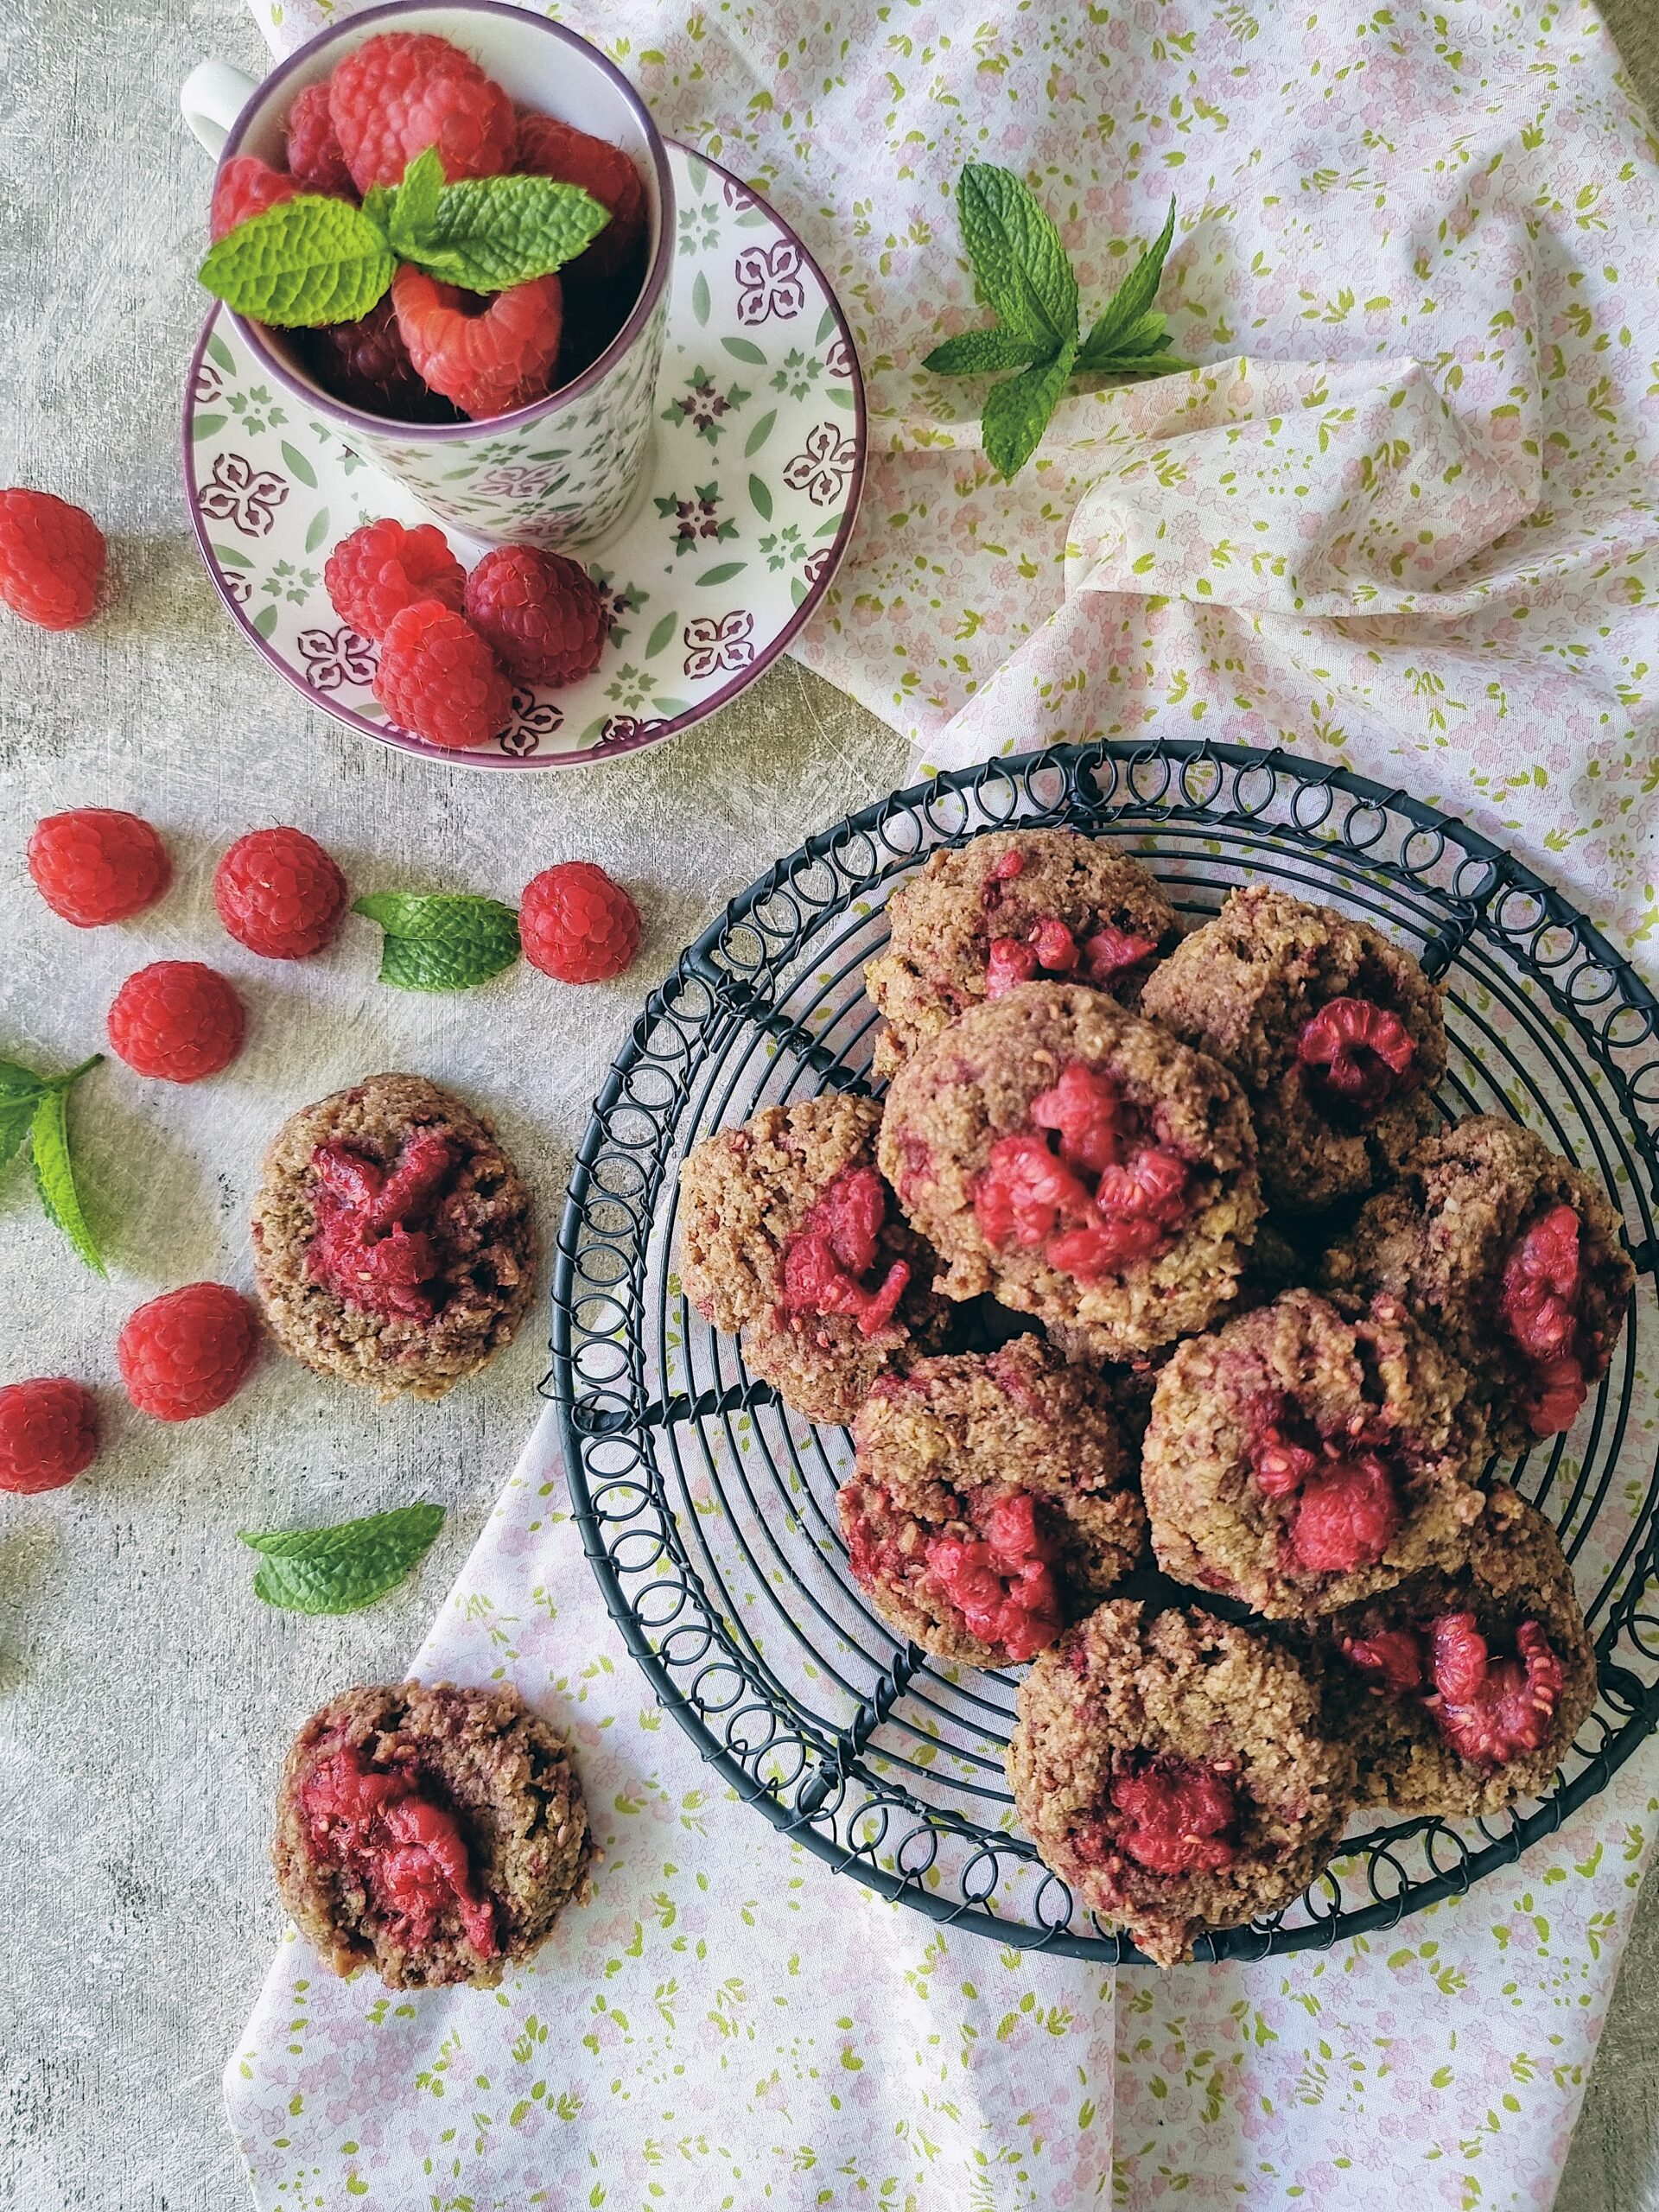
(707, 1511)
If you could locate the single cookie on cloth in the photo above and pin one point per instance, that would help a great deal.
(1174, 1771)
(1334, 1032)
(432, 1833)
(1462, 1692)
(789, 1234)
(393, 1241)
(1079, 1164)
(1512, 1256)
(1013, 907)
(992, 1502)
(1304, 1457)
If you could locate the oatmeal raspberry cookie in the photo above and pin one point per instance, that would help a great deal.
(1305, 1457)
(1079, 1164)
(1461, 1693)
(393, 1243)
(1013, 907)
(789, 1234)
(1175, 1771)
(432, 1833)
(1333, 1031)
(1512, 1256)
(993, 1501)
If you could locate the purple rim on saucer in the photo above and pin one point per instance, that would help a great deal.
(609, 748)
(338, 411)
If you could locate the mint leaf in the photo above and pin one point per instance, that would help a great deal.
(54, 1173)
(19, 1082)
(16, 1114)
(445, 942)
(974, 352)
(489, 232)
(1129, 303)
(1149, 364)
(414, 203)
(310, 259)
(1017, 255)
(1017, 412)
(339, 1569)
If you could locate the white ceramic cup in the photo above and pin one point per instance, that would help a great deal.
(559, 472)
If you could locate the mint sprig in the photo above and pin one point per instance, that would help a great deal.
(1023, 273)
(35, 1109)
(342, 1569)
(446, 941)
(313, 259)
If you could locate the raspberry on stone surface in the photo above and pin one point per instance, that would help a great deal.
(246, 187)
(278, 893)
(439, 681)
(577, 925)
(543, 616)
(97, 864)
(187, 1353)
(401, 92)
(316, 159)
(176, 1020)
(489, 357)
(52, 559)
(48, 1434)
(383, 566)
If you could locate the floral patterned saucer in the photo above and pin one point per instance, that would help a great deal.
(754, 481)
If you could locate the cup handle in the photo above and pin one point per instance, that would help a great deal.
(211, 97)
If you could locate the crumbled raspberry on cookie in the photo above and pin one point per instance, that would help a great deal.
(402, 91)
(1362, 1053)
(96, 864)
(1543, 1283)
(1174, 1815)
(543, 617)
(1395, 1655)
(279, 894)
(246, 187)
(316, 159)
(1490, 1709)
(48, 1434)
(577, 925)
(383, 566)
(378, 1241)
(397, 1844)
(438, 679)
(1002, 1583)
(187, 1353)
(1349, 1514)
(826, 1262)
(52, 559)
(176, 1020)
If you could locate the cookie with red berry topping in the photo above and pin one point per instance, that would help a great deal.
(1177, 1771)
(789, 1234)
(432, 1833)
(1512, 1255)
(1079, 1164)
(1461, 1693)
(1013, 907)
(1305, 1457)
(993, 1501)
(393, 1241)
(1333, 1030)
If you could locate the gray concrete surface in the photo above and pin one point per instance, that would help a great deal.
(144, 1694)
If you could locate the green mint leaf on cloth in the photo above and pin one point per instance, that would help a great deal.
(1114, 335)
(310, 259)
(490, 232)
(414, 203)
(55, 1173)
(975, 351)
(1017, 412)
(445, 942)
(337, 1570)
(1018, 258)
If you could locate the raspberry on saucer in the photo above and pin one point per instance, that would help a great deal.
(1176, 1771)
(993, 1501)
(433, 1832)
(1304, 1457)
(393, 1240)
(790, 1235)
(1334, 1032)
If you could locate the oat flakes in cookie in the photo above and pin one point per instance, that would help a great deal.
(993, 1501)
(393, 1241)
(1461, 1693)
(1013, 907)
(1175, 1771)
(432, 1833)
(1334, 1032)
(1079, 1164)
(1512, 1256)
(789, 1234)
(1305, 1457)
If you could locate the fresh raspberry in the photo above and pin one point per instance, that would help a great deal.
(48, 1434)
(279, 894)
(316, 159)
(1176, 1813)
(1110, 953)
(96, 864)
(1349, 1514)
(1086, 1112)
(1489, 1709)
(1002, 1583)
(402, 91)
(379, 1240)
(1361, 1054)
(366, 364)
(52, 557)
(384, 567)
(577, 925)
(438, 679)
(543, 616)
(825, 1262)
(1395, 1655)
(187, 1351)
(246, 187)
(548, 148)
(177, 1021)
(489, 361)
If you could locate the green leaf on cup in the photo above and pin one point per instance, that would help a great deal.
(307, 261)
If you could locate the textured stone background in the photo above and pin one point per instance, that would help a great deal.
(145, 1695)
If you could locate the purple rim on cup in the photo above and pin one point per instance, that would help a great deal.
(349, 30)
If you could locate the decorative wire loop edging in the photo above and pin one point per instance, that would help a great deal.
(707, 1511)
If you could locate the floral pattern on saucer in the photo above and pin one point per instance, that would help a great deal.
(749, 500)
